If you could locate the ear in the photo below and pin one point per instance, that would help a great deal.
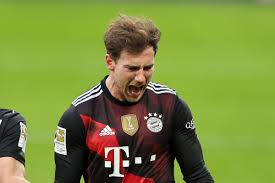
(110, 63)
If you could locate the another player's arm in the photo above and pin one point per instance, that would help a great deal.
(187, 147)
(12, 171)
(12, 155)
(70, 149)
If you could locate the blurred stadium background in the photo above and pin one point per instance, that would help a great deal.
(218, 55)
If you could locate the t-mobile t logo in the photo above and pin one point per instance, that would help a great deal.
(125, 163)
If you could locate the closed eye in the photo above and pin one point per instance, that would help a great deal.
(136, 68)
(132, 68)
(147, 68)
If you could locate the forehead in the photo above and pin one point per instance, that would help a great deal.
(143, 58)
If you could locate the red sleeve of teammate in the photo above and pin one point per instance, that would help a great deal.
(187, 148)
(70, 149)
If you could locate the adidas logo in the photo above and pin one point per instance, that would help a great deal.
(106, 131)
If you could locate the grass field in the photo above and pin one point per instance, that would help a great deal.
(220, 59)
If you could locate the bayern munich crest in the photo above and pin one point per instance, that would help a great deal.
(154, 123)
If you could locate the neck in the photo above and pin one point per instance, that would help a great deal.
(110, 84)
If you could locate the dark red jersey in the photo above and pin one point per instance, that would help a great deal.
(107, 140)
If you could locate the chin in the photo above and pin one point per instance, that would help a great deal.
(131, 99)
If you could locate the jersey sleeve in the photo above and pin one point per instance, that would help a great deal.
(186, 146)
(70, 148)
(13, 137)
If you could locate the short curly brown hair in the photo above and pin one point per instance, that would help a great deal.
(133, 34)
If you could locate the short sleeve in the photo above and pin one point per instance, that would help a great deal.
(13, 136)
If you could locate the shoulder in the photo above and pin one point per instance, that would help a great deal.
(70, 131)
(72, 121)
(69, 118)
(11, 119)
(88, 95)
(160, 88)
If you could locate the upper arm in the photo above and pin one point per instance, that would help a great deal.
(12, 170)
(13, 137)
(70, 149)
(187, 147)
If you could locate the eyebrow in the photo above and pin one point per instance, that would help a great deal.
(148, 66)
(137, 67)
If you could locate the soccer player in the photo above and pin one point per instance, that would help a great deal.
(128, 129)
(13, 136)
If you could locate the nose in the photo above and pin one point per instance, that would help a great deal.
(140, 77)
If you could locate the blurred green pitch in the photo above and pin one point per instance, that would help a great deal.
(220, 59)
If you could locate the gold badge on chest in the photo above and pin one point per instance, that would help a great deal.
(129, 124)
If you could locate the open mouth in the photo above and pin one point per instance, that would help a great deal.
(135, 91)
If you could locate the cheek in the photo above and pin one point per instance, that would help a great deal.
(123, 78)
(149, 73)
(127, 76)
